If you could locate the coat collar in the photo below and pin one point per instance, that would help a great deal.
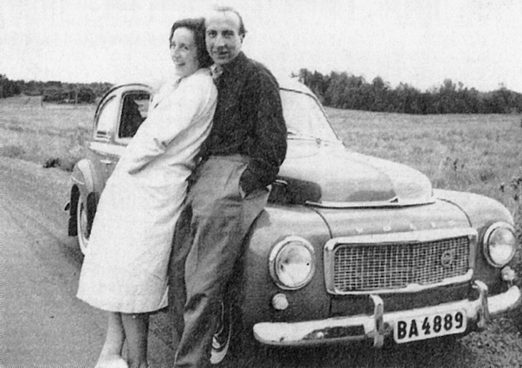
(236, 65)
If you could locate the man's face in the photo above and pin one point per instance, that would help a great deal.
(222, 37)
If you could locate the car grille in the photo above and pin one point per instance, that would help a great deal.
(368, 267)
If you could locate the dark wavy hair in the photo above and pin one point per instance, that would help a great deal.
(197, 26)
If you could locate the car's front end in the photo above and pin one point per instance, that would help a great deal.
(356, 248)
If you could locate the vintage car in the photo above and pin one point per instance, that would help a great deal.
(350, 247)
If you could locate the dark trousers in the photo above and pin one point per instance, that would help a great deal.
(207, 242)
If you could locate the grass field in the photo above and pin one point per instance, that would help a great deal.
(40, 133)
(477, 153)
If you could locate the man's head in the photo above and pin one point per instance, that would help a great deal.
(224, 34)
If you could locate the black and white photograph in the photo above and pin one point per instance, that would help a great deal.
(272, 184)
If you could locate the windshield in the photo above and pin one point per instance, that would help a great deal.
(304, 117)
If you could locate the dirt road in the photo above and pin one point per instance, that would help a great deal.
(42, 324)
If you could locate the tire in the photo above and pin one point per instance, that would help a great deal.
(82, 224)
(223, 335)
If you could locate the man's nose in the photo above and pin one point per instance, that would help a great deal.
(220, 41)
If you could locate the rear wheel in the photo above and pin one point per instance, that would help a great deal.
(82, 224)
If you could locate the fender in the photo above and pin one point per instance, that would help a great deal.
(256, 287)
(479, 209)
(481, 212)
(88, 183)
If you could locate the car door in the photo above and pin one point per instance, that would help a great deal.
(118, 117)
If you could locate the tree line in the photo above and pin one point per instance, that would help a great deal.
(54, 91)
(346, 91)
(341, 90)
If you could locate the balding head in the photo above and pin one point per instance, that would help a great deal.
(224, 34)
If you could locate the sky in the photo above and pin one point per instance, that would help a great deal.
(419, 42)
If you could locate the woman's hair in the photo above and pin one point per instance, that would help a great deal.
(197, 26)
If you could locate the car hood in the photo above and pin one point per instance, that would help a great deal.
(327, 174)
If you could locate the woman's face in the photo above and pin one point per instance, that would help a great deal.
(184, 52)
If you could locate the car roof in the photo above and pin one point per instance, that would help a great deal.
(292, 84)
(285, 82)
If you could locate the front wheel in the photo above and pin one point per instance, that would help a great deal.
(82, 224)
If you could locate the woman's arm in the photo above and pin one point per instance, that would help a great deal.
(173, 115)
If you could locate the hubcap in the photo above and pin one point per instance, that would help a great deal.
(82, 223)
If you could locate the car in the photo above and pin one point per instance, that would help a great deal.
(349, 247)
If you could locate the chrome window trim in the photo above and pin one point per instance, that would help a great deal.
(105, 148)
(412, 237)
(124, 141)
(380, 204)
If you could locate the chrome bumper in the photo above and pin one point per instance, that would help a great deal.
(380, 324)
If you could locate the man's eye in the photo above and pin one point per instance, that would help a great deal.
(211, 34)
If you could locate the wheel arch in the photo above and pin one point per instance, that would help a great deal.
(86, 183)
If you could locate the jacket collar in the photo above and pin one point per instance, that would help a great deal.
(236, 65)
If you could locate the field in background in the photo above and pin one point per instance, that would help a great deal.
(44, 132)
(477, 153)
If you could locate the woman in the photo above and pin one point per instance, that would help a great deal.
(125, 267)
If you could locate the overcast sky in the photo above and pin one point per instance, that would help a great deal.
(421, 43)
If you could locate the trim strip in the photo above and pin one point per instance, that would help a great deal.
(107, 148)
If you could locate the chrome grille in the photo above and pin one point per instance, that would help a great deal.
(368, 267)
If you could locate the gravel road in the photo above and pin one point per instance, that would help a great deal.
(44, 325)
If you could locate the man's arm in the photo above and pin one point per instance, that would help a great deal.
(268, 146)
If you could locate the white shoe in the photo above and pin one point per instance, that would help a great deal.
(112, 362)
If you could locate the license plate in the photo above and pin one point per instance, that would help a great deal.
(429, 326)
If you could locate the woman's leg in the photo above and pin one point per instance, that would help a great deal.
(136, 327)
(113, 344)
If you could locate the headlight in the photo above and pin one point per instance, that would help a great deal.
(292, 263)
(499, 244)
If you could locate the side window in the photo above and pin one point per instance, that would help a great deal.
(106, 119)
(134, 110)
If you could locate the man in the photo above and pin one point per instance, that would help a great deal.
(240, 158)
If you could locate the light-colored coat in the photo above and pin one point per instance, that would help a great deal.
(125, 266)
